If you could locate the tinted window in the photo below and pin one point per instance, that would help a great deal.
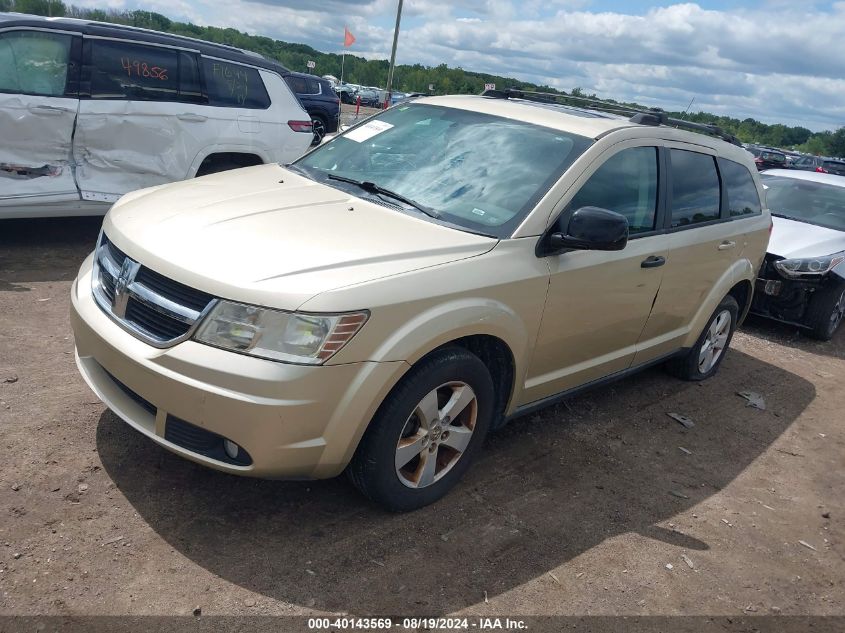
(695, 188)
(627, 184)
(190, 87)
(742, 194)
(34, 62)
(234, 86)
(313, 87)
(297, 84)
(121, 70)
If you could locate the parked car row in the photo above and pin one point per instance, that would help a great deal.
(771, 158)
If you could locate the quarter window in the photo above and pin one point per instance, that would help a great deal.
(626, 183)
(121, 70)
(743, 198)
(234, 86)
(696, 193)
(34, 62)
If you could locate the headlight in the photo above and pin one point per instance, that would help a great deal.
(809, 265)
(291, 337)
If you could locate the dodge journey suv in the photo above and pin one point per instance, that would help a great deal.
(379, 305)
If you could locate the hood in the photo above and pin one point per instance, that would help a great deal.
(792, 239)
(268, 236)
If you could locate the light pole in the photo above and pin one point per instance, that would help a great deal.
(393, 56)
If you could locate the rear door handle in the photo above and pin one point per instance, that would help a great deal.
(653, 261)
(726, 245)
(188, 116)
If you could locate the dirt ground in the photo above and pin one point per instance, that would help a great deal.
(579, 509)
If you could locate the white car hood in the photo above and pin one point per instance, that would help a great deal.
(793, 239)
(267, 235)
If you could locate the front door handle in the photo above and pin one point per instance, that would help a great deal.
(726, 245)
(188, 116)
(653, 261)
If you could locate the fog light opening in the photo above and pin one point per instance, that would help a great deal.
(231, 449)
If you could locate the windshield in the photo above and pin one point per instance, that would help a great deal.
(807, 201)
(475, 171)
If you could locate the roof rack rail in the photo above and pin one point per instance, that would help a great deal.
(652, 116)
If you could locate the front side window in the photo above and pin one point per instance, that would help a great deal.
(696, 194)
(234, 86)
(627, 184)
(743, 198)
(34, 62)
(477, 171)
(124, 70)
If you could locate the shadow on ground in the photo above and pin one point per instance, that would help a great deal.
(38, 250)
(546, 489)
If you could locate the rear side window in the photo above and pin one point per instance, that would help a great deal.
(297, 84)
(34, 62)
(190, 85)
(743, 198)
(123, 70)
(313, 87)
(695, 188)
(626, 183)
(234, 86)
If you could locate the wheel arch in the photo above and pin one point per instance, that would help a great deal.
(736, 281)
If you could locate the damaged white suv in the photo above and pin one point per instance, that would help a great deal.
(91, 111)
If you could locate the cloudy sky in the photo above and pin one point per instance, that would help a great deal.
(774, 60)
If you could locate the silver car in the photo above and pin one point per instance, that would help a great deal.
(803, 279)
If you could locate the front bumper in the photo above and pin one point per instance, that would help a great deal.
(777, 297)
(291, 421)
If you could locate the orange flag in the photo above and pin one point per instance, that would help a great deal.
(348, 38)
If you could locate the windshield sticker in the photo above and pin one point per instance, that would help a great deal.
(368, 131)
(477, 211)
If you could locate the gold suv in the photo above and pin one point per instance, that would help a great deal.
(383, 302)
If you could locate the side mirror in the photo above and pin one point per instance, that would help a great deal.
(594, 229)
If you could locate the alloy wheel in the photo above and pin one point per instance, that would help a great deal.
(436, 434)
(714, 342)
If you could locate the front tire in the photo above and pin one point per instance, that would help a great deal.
(826, 311)
(426, 433)
(709, 351)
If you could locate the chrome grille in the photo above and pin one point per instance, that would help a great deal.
(156, 309)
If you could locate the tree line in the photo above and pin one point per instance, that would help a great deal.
(416, 77)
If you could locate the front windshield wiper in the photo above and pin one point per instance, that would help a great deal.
(372, 187)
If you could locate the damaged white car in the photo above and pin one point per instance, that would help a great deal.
(90, 111)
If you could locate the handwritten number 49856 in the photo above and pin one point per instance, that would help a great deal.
(142, 69)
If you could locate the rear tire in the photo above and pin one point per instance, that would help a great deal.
(826, 311)
(426, 433)
(703, 360)
(319, 126)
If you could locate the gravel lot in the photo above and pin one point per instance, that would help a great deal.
(580, 509)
